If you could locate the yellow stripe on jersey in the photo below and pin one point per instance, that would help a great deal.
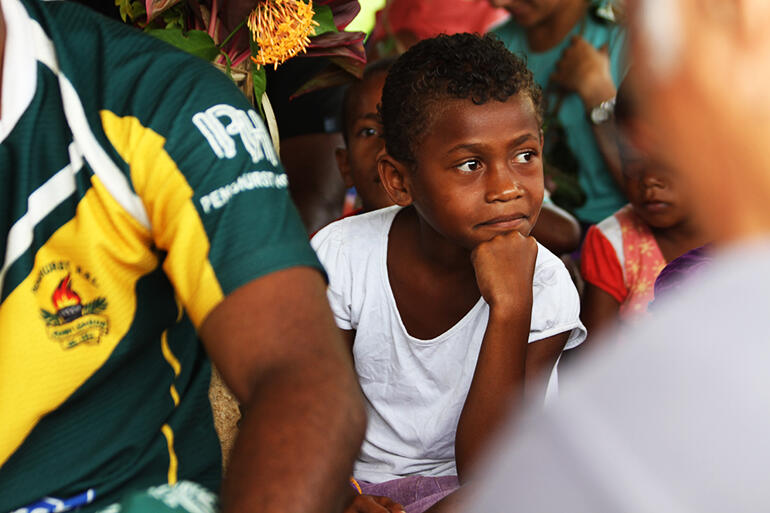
(168, 354)
(176, 226)
(89, 266)
(173, 463)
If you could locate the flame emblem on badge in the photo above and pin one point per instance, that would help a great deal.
(73, 321)
(66, 301)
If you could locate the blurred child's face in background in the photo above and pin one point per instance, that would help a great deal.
(358, 162)
(654, 191)
(529, 12)
(479, 170)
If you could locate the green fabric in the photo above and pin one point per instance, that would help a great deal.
(603, 197)
(106, 438)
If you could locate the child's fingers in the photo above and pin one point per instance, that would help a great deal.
(373, 504)
(392, 506)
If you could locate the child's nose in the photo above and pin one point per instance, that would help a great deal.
(652, 180)
(502, 185)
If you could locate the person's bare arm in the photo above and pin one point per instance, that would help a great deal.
(607, 140)
(557, 230)
(276, 345)
(507, 367)
(599, 310)
(585, 70)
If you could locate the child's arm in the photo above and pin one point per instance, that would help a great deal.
(605, 287)
(557, 229)
(599, 309)
(507, 366)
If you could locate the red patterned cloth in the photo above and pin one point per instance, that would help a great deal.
(621, 257)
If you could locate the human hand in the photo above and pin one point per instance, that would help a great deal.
(504, 269)
(585, 70)
(373, 504)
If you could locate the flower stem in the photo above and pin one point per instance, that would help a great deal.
(230, 36)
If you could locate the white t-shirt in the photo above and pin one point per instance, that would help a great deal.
(415, 389)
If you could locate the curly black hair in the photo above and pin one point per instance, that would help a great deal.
(464, 66)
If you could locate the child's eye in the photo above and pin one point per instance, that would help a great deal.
(368, 132)
(524, 157)
(469, 166)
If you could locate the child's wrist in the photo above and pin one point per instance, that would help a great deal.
(511, 308)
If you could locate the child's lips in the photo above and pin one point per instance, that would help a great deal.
(509, 222)
(656, 206)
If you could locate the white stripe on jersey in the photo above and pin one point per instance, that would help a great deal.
(60, 186)
(39, 204)
(113, 179)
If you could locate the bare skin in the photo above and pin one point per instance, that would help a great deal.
(557, 230)
(585, 70)
(275, 342)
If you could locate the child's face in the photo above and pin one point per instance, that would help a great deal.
(478, 170)
(358, 162)
(651, 187)
(654, 193)
(528, 13)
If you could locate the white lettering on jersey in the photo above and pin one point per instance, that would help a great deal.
(218, 198)
(246, 125)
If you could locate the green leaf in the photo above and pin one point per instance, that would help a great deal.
(51, 319)
(96, 306)
(325, 19)
(196, 42)
(130, 10)
(259, 77)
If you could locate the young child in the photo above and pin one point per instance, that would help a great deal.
(362, 132)
(452, 310)
(623, 255)
(556, 229)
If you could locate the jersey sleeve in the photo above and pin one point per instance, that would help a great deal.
(204, 167)
(555, 303)
(329, 246)
(599, 265)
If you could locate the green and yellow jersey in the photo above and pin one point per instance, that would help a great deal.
(137, 189)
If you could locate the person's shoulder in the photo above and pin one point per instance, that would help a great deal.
(612, 226)
(358, 233)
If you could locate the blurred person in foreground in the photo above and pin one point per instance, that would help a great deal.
(133, 222)
(677, 418)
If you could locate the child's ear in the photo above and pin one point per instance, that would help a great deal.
(341, 154)
(394, 178)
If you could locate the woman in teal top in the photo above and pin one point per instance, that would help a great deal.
(576, 52)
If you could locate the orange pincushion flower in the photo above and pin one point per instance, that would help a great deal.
(282, 29)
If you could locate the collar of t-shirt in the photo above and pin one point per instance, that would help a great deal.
(19, 66)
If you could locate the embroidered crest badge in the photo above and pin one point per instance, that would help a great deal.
(75, 322)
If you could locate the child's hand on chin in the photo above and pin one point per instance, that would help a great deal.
(373, 504)
(504, 268)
